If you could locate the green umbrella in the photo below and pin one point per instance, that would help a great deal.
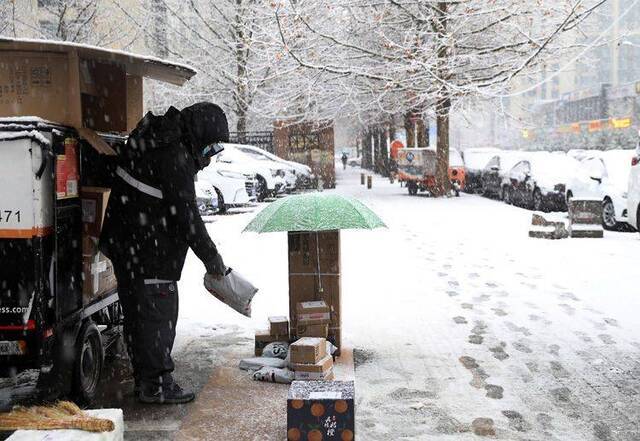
(314, 212)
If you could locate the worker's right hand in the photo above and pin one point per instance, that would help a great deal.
(216, 267)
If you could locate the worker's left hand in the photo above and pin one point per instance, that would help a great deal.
(216, 267)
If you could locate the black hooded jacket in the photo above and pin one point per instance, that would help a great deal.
(151, 235)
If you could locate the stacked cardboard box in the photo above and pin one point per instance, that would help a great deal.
(313, 319)
(314, 274)
(262, 339)
(278, 331)
(310, 360)
(97, 271)
(279, 327)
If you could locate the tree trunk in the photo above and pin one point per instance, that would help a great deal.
(443, 184)
(443, 109)
(409, 128)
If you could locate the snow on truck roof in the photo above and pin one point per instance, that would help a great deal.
(142, 65)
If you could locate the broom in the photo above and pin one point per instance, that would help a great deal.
(62, 415)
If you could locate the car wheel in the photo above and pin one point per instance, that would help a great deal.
(89, 359)
(609, 215)
(537, 200)
(413, 188)
(222, 208)
(262, 192)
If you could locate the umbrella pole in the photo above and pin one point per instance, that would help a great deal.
(318, 262)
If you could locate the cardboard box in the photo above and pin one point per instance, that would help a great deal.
(308, 350)
(262, 339)
(321, 410)
(316, 371)
(313, 313)
(319, 331)
(97, 271)
(329, 375)
(306, 287)
(279, 326)
(67, 170)
(305, 248)
(94, 206)
(78, 85)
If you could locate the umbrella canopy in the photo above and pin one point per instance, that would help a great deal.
(314, 212)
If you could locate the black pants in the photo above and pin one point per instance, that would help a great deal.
(150, 309)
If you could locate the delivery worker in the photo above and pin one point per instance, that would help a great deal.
(151, 221)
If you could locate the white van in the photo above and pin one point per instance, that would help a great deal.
(633, 194)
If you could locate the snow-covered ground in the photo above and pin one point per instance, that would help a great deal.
(461, 324)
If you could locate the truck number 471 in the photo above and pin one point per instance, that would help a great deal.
(6, 215)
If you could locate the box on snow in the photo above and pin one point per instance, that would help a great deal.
(279, 326)
(320, 331)
(313, 313)
(322, 370)
(262, 339)
(321, 410)
(308, 350)
(306, 288)
(313, 252)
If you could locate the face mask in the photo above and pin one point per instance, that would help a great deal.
(212, 150)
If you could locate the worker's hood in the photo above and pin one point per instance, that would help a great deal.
(204, 124)
(154, 131)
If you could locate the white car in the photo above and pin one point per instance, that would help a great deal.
(206, 198)
(270, 175)
(475, 160)
(607, 178)
(234, 185)
(633, 194)
(297, 175)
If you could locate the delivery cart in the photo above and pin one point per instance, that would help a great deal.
(59, 308)
(417, 169)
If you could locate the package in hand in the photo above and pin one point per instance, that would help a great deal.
(233, 290)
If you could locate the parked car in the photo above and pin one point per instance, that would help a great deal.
(608, 180)
(354, 162)
(495, 171)
(475, 160)
(539, 182)
(234, 185)
(297, 175)
(633, 194)
(269, 174)
(206, 198)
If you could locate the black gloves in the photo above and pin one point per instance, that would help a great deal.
(216, 266)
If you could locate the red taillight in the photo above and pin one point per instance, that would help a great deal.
(635, 161)
(30, 326)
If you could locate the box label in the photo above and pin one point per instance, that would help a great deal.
(327, 395)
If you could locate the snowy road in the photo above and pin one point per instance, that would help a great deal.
(462, 325)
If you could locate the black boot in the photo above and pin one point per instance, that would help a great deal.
(171, 394)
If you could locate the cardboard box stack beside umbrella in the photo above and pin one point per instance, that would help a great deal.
(313, 222)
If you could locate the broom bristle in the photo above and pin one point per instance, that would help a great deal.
(62, 415)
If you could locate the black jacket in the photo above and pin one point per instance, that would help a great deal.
(147, 235)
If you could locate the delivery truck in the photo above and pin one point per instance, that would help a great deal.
(417, 170)
(64, 115)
